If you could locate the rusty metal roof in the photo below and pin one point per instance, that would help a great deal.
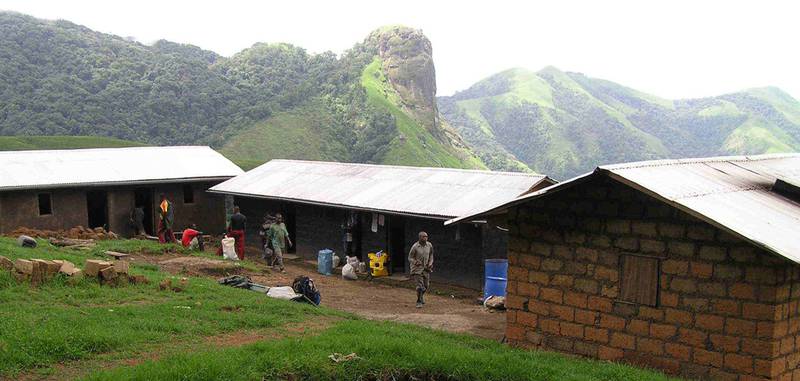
(429, 192)
(734, 193)
(111, 166)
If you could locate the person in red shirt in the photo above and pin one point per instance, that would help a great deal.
(191, 233)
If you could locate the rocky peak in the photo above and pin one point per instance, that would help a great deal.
(407, 60)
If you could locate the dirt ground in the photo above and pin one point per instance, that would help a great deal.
(447, 308)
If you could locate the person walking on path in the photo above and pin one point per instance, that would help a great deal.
(167, 218)
(236, 228)
(421, 259)
(279, 237)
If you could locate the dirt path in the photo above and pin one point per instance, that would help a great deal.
(375, 300)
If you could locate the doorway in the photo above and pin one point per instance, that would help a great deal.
(290, 219)
(397, 243)
(143, 198)
(97, 207)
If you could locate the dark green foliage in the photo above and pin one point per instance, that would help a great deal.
(58, 78)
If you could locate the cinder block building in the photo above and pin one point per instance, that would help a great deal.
(689, 266)
(61, 189)
(356, 209)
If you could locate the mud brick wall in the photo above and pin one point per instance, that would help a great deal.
(21, 209)
(725, 309)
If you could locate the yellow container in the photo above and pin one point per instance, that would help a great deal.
(377, 263)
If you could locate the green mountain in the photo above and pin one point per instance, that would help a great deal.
(374, 103)
(18, 143)
(564, 123)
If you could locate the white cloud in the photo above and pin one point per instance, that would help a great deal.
(673, 49)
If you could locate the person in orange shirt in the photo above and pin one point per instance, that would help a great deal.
(167, 218)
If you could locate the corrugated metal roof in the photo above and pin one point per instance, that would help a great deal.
(734, 193)
(101, 166)
(435, 192)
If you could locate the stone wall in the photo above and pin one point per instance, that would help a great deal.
(725, 310)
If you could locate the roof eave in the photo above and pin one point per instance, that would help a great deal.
(114, 183)
(331, 205)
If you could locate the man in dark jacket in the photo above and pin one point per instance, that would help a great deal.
(236, 228)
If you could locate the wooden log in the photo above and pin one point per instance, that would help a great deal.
(38, 273)
(94, 266)
(6, 263)
(121, 267)
(67, 268)
(116, 255)
(50, 268)
(108, 274)
(70, 242)
(24, 266)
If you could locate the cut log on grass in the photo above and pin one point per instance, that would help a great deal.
(108, 274)
(94, 266)
(72, 242)
(38, 273)
(139, 279)
(67, 268)
(6, 263)
(121, 267)
(23, 266)
(116, 255)
(49, 268)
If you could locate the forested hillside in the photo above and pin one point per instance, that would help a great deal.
(268, 101)
(564, 124)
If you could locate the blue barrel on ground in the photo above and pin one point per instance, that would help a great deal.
(496, 271)
(325, 261)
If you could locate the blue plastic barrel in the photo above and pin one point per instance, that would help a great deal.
(325, 261)
(496, 271)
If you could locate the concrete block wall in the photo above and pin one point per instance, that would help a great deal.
(725, 309)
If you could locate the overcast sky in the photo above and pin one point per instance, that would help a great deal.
(673, 49)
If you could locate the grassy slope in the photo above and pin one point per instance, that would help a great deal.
(301, 133)
(417, 147)
(60, 321)
(15, 143)
(754, 135)
(86, 319)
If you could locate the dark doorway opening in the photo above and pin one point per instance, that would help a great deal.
(143, 198)
(97, 206)
(290, 219)
(397, 244)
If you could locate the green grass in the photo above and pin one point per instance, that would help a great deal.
(417, 147)
(388, 351)
(758, 135)
(16, 143)
(303, 133)
(103, 328)
(60, 321)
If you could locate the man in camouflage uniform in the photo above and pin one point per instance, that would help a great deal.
(420, 258)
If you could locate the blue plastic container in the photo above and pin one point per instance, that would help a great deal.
(325, 262)
(496, 271)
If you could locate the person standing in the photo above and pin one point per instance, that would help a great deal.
(167, 218)
(420, 257)
(236, 227)
(137, 221)
(279, 237)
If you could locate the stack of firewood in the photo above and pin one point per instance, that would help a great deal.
(37, 271)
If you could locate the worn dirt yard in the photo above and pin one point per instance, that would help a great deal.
(377, 299)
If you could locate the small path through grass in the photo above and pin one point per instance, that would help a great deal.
(71, 370)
